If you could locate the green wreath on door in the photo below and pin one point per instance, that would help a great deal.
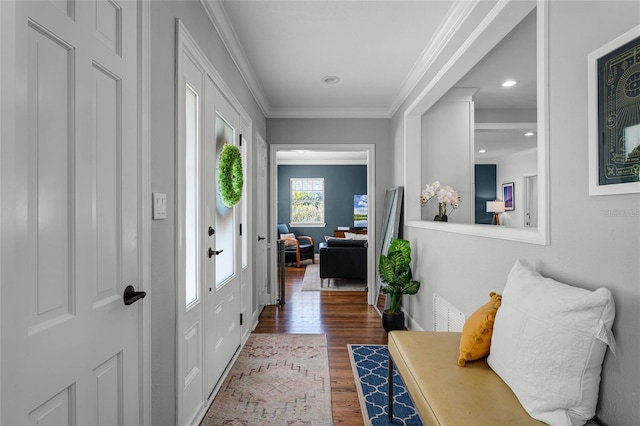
(230, 178)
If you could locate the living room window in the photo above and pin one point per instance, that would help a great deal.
(307, 202)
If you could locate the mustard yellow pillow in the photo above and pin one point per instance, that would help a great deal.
(476, 333)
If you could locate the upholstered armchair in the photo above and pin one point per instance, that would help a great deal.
(295, 250)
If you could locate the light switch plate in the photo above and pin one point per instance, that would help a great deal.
(159, 206)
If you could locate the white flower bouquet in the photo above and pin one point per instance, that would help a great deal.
(445, 194)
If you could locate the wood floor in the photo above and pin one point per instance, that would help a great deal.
(345, 317)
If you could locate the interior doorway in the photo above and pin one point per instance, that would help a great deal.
(336, 154)
(531, 201)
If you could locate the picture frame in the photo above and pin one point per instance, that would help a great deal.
(508, 196)
(360, 211)
(614, 126)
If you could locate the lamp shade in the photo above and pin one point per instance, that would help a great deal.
(495, 206)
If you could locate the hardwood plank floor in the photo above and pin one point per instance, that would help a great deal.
(345, 317)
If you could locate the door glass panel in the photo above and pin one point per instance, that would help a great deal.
(225, 223)
(191, 202)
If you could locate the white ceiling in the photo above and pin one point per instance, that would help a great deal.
(378, 48)
(371, 45)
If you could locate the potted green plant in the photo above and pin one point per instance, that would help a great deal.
(395, 273)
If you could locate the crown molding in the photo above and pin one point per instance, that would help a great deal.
(222, 24)
(329, 113)
(456, 16)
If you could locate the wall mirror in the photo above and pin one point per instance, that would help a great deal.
(470, 131)
(391, 229)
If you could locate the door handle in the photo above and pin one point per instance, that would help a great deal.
(214, 252)
(131, 296)
(260, 238)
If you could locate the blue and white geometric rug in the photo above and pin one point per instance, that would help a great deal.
(370, 370)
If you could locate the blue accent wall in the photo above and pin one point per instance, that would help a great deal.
(341, 183)
(485, 180)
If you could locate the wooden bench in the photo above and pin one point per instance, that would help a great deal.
(446, 394)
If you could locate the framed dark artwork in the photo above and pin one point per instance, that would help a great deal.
(507, 196)
(614, 116)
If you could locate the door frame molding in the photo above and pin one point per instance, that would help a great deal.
(3, 128)
(144, 183)
(187, 43)
(370, 149)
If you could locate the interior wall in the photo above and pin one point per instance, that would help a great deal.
(162, 291)
(485, 190)
(446, 156)
(594, 241)
(341, 183)
(342, 131)
(513, 168)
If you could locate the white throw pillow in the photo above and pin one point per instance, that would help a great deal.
(288, 242)
(548, 344)
(354, 236)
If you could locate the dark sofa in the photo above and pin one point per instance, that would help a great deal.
(341, 258)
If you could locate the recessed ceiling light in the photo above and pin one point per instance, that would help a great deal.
(529, 134)
(482, 151)
(509, 83)
(330, 79)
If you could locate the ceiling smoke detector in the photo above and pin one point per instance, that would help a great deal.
(330, 79)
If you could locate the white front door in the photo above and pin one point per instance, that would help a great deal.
(70, 197)
(222, 270)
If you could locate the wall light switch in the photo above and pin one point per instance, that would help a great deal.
(159, 206)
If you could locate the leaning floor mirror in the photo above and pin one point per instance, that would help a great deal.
(391, 220)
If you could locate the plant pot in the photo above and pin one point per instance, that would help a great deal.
(392, 321)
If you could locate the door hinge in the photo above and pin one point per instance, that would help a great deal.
(240, 229)
(241, 320)
(240, 142)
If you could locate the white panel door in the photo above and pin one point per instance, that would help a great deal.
(70, 214)
(261, 213)
(223, 259)
(246, 228)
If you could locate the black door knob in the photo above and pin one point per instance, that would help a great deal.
(131, 296)
(214, 252)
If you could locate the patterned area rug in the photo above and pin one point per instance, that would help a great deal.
(370, 369)
(312, 282)
(277, 380)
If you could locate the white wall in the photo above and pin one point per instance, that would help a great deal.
(595, 241)
(162, 292)
(446, 156)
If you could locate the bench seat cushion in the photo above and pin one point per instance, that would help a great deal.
(446, 394)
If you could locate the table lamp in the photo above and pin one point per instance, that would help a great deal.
(495, 207)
